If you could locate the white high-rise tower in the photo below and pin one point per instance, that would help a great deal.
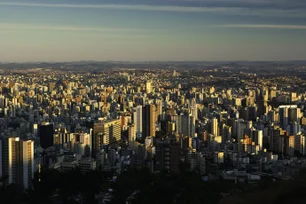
(137, 117)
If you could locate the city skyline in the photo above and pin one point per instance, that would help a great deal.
(152, 30)
(76, 132)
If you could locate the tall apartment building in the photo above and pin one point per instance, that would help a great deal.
(112, 131)
(214, 126)
(185, 124)
(17, 161)
(131, 133)
(137, 118)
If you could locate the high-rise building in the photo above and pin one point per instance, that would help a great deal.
(214, 126)
(131, 134)
(61, 138)
(191, 124)
(18, 161)
(293, 114)
(182, 124)
(159, 110)
(300, 144)
(242, 127)
(45, 132)
(97, 136)
(186, 125)
(168, 155)
(277, 140)
(194, 109)
(148, 87)
(226, 133)
(219, 157)
(137, 118)
(283, 116)
(259, 138)
(81, 143)
(148, 120)
(112, 131)
(105, 133)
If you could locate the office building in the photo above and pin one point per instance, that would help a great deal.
(148, 120)
(45, 133)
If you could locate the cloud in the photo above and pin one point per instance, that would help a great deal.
(280, 4)
(290, 27)
(118, 7)
(207, 6)
(13, 26)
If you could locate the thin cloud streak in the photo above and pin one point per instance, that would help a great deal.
(119, 7)
(280, 4)
(13, 26)
(186, 9)
(290, 27)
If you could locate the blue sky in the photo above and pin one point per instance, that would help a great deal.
(141, 30)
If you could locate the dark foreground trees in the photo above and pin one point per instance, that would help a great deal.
(141, 186)
(52, 186)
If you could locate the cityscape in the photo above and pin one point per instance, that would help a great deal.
(152, 102)
(227, 122)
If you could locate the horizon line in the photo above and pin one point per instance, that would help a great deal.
(141, 61)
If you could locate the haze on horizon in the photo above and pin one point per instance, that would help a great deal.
(149, 30)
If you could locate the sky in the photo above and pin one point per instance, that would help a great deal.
(152, 30)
